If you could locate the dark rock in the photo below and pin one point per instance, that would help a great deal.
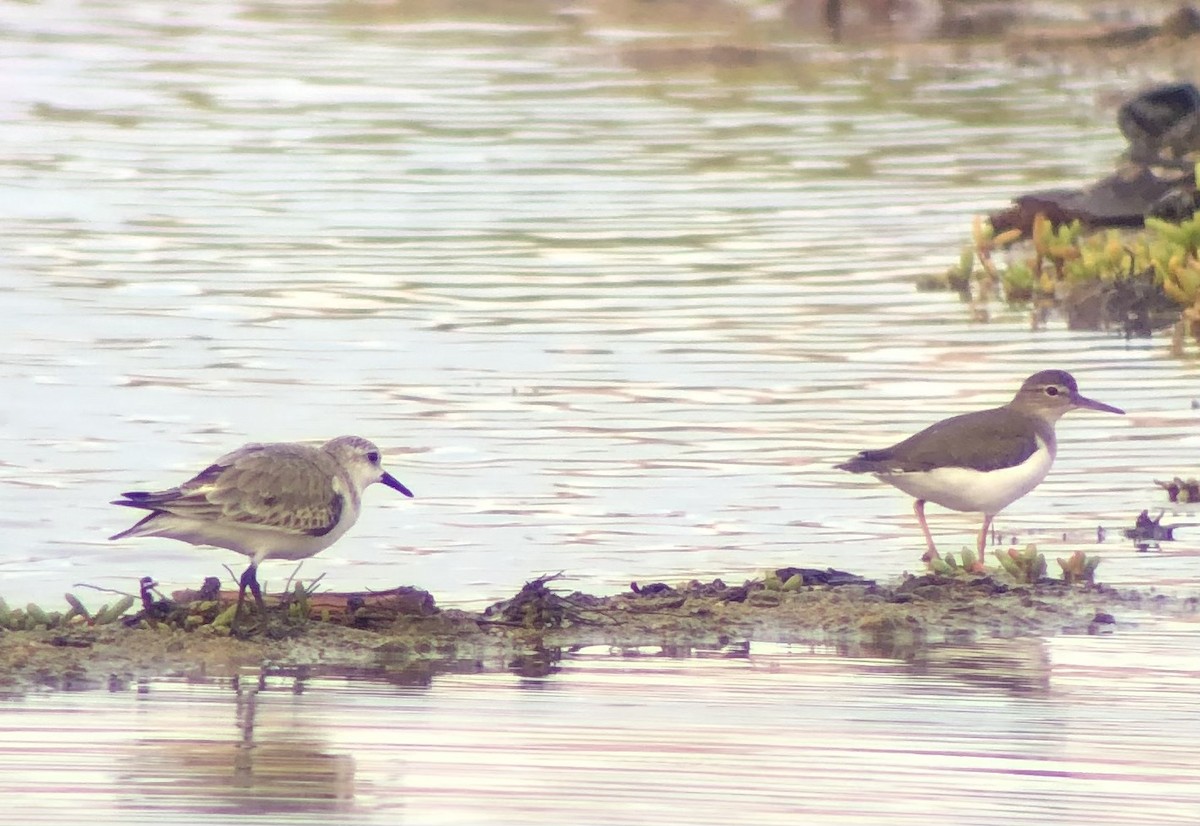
(1123, 199)
(1164, 119)
(652, 590)
(1137, 305)
(1150, 529)
(738, 593)
(1162, 125)
(816, 576)
(209, 589)
(71, 641)
(1183, 23)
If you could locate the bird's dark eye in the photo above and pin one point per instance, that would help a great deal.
(1052, 390)
(373, 456)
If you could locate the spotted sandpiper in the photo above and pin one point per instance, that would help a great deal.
(983, 461)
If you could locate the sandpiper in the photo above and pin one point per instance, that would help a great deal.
(266, 501)
(983, 461)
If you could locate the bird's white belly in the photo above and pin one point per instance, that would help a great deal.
(962, 489)
(257, 542)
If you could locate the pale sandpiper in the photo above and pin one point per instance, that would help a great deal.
(266, 501)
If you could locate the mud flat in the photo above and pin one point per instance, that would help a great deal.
(402, 636)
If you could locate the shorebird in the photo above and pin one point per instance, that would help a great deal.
(266, 501)
(984, 461)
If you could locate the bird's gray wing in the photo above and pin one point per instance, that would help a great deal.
(986, 440)
(283, 487)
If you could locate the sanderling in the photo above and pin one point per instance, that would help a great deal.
(266, 501)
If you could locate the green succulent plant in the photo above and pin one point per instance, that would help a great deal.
(1025, 566)
(1184, 235)
(1079, 567)
(967, 563)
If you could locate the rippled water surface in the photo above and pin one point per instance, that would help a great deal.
(1069, 730)
(604, 316)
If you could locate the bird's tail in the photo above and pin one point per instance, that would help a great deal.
(868, 461)
(141, 528)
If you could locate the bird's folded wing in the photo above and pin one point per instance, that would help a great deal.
(278, 490)
(984, 441)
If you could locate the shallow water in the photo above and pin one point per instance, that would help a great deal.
(613, 322)
(1068, 730)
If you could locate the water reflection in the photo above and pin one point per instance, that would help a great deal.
(1020, 667)
(535, 663)
(1078, 729)
(552, 734)
(272, 760)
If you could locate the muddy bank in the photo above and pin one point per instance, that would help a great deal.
(530, 632)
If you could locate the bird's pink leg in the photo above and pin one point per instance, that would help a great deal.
(919, 510)
(983, 533)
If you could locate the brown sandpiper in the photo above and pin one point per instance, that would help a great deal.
(984, 461)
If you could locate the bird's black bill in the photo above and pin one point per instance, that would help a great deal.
(392, 482)
(1092, 404)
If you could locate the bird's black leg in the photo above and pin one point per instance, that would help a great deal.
(252, 572)
(249, 580)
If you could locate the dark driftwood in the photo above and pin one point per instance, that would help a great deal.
(402, 600)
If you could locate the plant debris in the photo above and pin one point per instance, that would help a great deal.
(1147, 532)
(403, 628)
(1181, 490)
